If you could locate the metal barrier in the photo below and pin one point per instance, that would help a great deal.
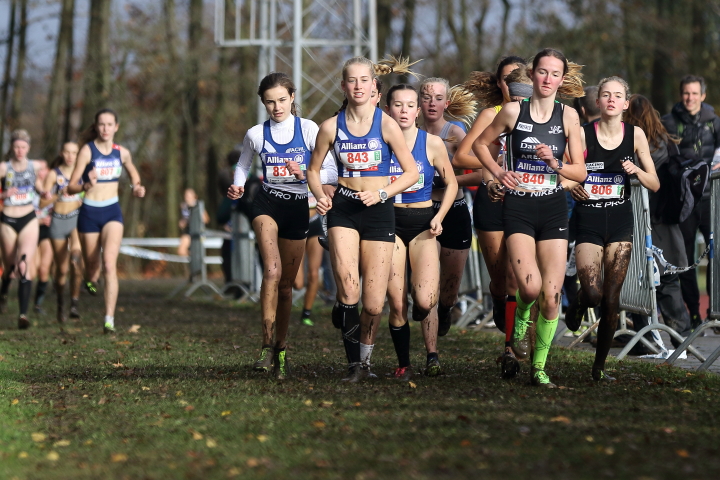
(714, 277)
(243, 258)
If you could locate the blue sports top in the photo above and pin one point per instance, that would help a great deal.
(366, 156)
(108, 168)
(275, 157)
(61, 182)
(422, 190)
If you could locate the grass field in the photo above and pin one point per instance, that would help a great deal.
(178, 399)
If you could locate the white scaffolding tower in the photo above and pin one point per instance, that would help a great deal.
(309, 38)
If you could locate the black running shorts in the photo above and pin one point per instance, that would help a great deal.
(487, 215)
(373, 223)
(315, 227)
(457, 226)
(411, 222)
(543, 217)
(289, 210)
(604, 225)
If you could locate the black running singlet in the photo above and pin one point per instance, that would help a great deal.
(607, 181)
(535, 174)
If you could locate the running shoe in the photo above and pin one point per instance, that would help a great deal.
(600, 376)
(432, 367)
(509, 365)
(355, 373)
(574, 316)
(74, 313)
(539, 378)
(306, 321)
(444, 324)
(521, 338)
(60, 315)
(109, 328)
(282, 369)
(23, 322)
(266, 359)
(91, 287)
(403, 373)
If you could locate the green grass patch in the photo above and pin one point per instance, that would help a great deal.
(178, 399)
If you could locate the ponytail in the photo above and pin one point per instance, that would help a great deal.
(391, 64)
(462, 106)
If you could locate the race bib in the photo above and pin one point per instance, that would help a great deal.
(108, 170)
(276, 170)
(605, 186)
(412, 188)
(536, 175)
(361, 156)
(24, 196)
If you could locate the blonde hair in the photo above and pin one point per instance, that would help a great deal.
(519, 75)
(462, 105)
(614, 79)
(484, 86)
(391, 64)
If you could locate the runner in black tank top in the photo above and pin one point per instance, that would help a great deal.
(604, 213)
(535, 211)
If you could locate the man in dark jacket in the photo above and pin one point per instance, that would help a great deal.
(696, 124)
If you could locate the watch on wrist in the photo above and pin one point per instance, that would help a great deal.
(383, 195)
(559, 164)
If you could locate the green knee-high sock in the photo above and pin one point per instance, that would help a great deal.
(522, 316)
(544, 334)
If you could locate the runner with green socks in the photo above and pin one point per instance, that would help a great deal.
(535, 214)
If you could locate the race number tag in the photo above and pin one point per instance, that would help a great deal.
(23, 196)
(276, 170)
(601, 186)
(364, 155)
(108, 170)
(536, 175)
(414, 187)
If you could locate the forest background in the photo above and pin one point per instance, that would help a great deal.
(184, 102)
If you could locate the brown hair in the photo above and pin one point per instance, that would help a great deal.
(587, 104)
(395, 88)
(19, 134)
(484, 85)
(90, 133)
(641, 113)
(278, 79)
(572, 86)
(59, 159)
(692, 79)
(614, 79)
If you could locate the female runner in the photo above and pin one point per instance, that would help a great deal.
(100, 223)
(417, 225)
(361, 222)
(493, 93)
(535, 211)
(63, 228)
(19, 228)
(279, 213)
(456, 239)
(604, 213)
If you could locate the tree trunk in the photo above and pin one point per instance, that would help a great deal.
(191, 107)
(172, 126)
(67, 126)
(699, 52)
(503, 32)
(661, 60)
(407, 33)
(58, 85)
(96, 84)
(7, 75)
(384, 27)
(16, 105)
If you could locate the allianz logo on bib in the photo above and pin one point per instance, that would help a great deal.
(594, 178)
(524, 127)
(372, 144)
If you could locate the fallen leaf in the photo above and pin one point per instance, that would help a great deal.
(121, 309)
(88, 442)
(252, 462)
(465, 443)
(100, 350)
(23, 455)
(561, 419)
(53, 456)
(682, 453)
(38, 437)
(322, 463)
(189, 408)
(357, 404)
(233, 472)
(182, 402)
(669, 430)
(263, 438)
(62, 443)
(134, 329)
(146, 388)
(210, 443)
(412, 384)
(118, 457)
(609, 450)
(686, 391)
(124, 342)
(225, 413)
(118, 365)
(326, 350)
(308, 403)
(325, 404)
(589, 439)
(195, 434)
(15, 401)
(318, 424)
(102, 401)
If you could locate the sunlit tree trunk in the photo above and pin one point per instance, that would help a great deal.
(173, 180)
(96, 82)
(7, 74)
(191, 107)
(384, 25)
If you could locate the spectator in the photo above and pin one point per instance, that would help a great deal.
(666, 234)
(698, 128)
(190, 199)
